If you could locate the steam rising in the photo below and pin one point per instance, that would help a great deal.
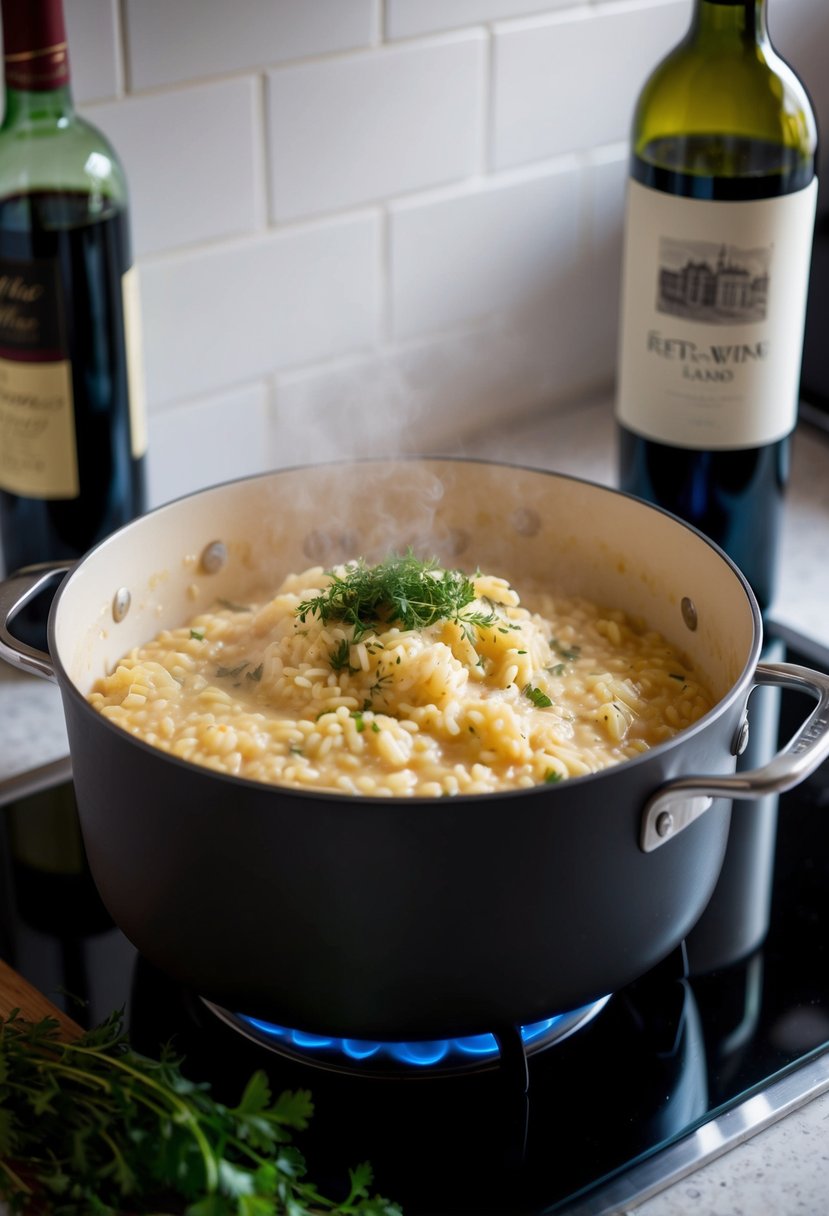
(412, 403)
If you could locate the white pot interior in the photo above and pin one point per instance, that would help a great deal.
(535, 529)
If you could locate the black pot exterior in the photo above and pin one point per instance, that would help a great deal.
(393, 919)
(399, 918)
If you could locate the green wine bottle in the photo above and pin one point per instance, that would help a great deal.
(720, 216)
(72, 430)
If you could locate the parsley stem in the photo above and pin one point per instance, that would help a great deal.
(117, 1155)
(15, 1179)
(246, 1150)
(185, 1115)
(83, 1078)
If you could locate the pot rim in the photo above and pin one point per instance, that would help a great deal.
(741, 686)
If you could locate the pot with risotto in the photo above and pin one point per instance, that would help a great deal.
(407, 748)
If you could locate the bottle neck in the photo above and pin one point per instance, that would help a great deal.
(36, 64)
(38, 107)
(35, 51)
(730, 20)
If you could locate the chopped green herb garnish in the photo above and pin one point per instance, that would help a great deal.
(231, 607)
(232, 671)
(256, 674)
(359, 721)
(399, 590)
(676, 675)
(339, 657)
(552, 775)
(375, 726)
(558, 670)
(567, 652)
(538, 698)
(377, 686)
(198, 634)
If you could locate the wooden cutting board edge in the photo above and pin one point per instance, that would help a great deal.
(17, 993)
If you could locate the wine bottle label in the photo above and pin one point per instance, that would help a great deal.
(713, 308)
(135, 365)
(38, 451)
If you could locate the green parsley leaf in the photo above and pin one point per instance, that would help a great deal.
(122, 1132)
(539, 699)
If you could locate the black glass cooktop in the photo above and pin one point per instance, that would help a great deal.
(615, 1107)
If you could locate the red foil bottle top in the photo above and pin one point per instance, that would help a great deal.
(35, 52)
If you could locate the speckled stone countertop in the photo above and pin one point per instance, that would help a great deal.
(783, 1170)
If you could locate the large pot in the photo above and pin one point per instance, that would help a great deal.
(409, 918)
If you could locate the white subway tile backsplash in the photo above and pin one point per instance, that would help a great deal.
(570, 81)
(407, 17)
(607, 179)
(352, 129)
(374, 225)
(94, 49)
(422, 398)
(202, 443)
(201, 175)
(502, 246)
(176, 40)
(223, 316)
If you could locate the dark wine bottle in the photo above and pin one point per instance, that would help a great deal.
(72, 431)
(720, 216)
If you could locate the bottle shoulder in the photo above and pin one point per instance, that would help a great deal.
(747, 91)
(60, 152)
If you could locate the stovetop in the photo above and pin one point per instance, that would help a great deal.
(724, 1036)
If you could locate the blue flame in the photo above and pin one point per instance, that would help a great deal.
(416, 1054)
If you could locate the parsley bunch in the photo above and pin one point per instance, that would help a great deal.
(400, 589)
(92, 1128)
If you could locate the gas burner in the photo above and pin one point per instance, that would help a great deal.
(419, 1058)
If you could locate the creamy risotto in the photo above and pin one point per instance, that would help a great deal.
(462, 690)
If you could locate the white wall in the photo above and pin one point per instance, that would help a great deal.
(369, 223)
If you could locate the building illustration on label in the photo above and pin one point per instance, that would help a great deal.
(715, 283)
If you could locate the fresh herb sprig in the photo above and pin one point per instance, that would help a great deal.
(339, 657)
(91, 1126)
(400, 589)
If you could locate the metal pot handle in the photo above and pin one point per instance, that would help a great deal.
(681, 801)
(15, 592)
